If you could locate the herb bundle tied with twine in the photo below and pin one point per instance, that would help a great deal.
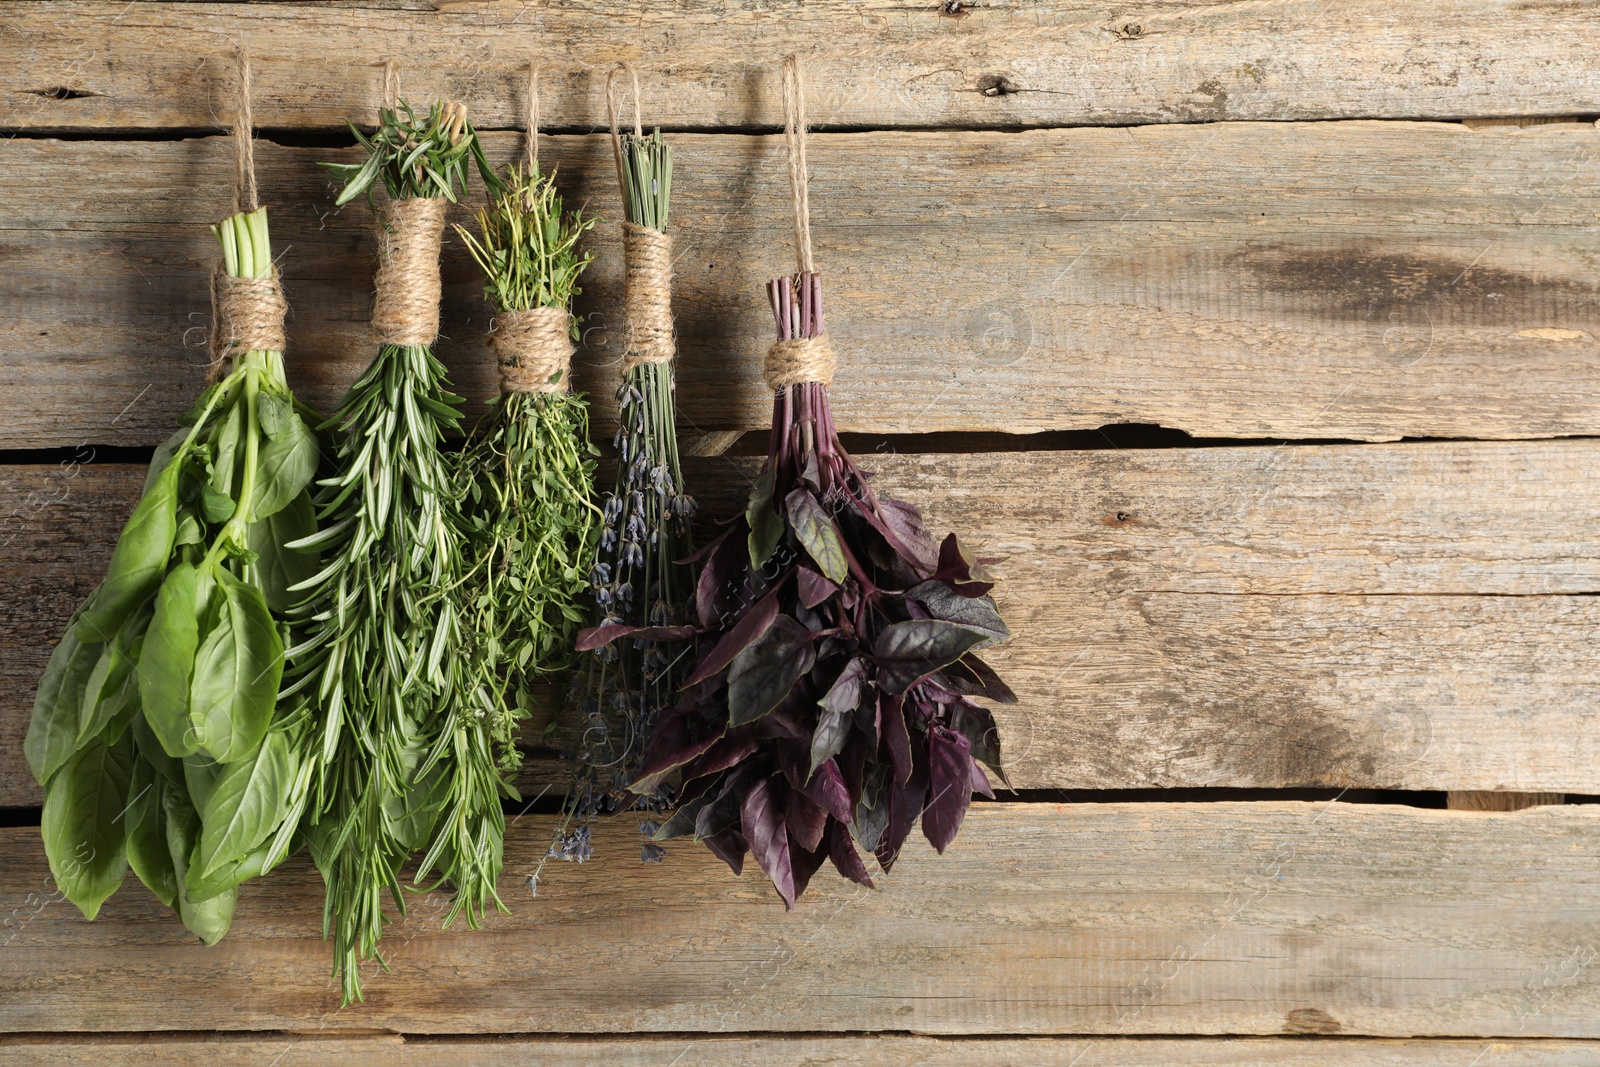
(157, 732)
(378, 628)
(830, 707)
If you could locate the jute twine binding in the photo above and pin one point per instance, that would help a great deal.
(406, 309)
(246, 313)
(533, 346)
(646, 256)
(800, 359)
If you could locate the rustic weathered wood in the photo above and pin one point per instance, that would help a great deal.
(711, 65)
(1487, 800)
(725, 1050)
(1324, 280)
(1283, 918)
(1381, 615)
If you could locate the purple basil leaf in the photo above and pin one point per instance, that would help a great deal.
(813, 527)
(805, 820)
(970, 676)
(724, 559)
(905, 805)
(751, 625)
(977, 613)
(790, 720)
(833, 729)
(670, 747)
(766, 525)
(872, 811)
(814, 589)
(729, 847)
(910, 650)
(905, 521)
(806, 861)
(762, 822)
(983, 737)
(681, 823)
(828, 791)
(846, 860)
(763, 673)
(868, 717)
(896, 736)
(725, 807)
(957, 571)
(949, 784)
(845, 693)
(980, 781)
(600, 636)
(733, 746)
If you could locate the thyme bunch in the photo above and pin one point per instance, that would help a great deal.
(641, 584)
(376, 627)
(529, 521)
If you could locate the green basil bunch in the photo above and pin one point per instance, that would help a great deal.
(156, 732)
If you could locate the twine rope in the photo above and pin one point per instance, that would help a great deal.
(647, 305)
(533, 348)
(533, 118)
(799, 359)
(406, 309)
(247, 314)
(391, 84)
(611, 117)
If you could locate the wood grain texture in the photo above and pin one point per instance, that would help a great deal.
(974, 63)
(719, 1050)
(1371, 616)
(1266, 919)
(1365, 280)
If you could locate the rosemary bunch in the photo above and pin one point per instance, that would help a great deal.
(376, 626)
(529, 521)
(643, 588)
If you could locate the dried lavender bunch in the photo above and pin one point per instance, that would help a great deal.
(830, 706)
(642, 586)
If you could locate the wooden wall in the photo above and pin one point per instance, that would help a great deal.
(1310, 711)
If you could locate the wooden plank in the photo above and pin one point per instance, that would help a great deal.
(1151, 918)
(1360, 280)
(722, 1050)
(969, 63)
(1371, 616)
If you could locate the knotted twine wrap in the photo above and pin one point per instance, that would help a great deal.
(532, 346)
(406, 308)
(246, 313)
(799, 359)
(646, 257)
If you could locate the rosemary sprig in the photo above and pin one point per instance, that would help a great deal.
(639, 579)
(529, 520)
(377, 627)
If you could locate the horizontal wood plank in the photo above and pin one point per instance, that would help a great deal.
(967, 63)
(1327, 280)
(724, 1050)
(1283, 918)
(1370, 616)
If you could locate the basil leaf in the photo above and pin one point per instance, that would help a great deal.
(814, 528)
(111, 694)
(279, 566)
(53, 733)
(147, 832)
(236, 673)
(766, 525)
(907, 652)
(764, 672)
(833, 730)
(273, 413)
(226, 459)
(81, 823)
(138, 561)
(164, 454)
(226, 879)
(284, 467)
(215, 505)
(976, 613)
(210, 918)
(166, 664)
(245, 805)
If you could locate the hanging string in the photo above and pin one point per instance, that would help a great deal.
(611, 117)
(794, 133)
(533, 118)
(246, 313)
(244, 141)
(391, 84)
(802, 352)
